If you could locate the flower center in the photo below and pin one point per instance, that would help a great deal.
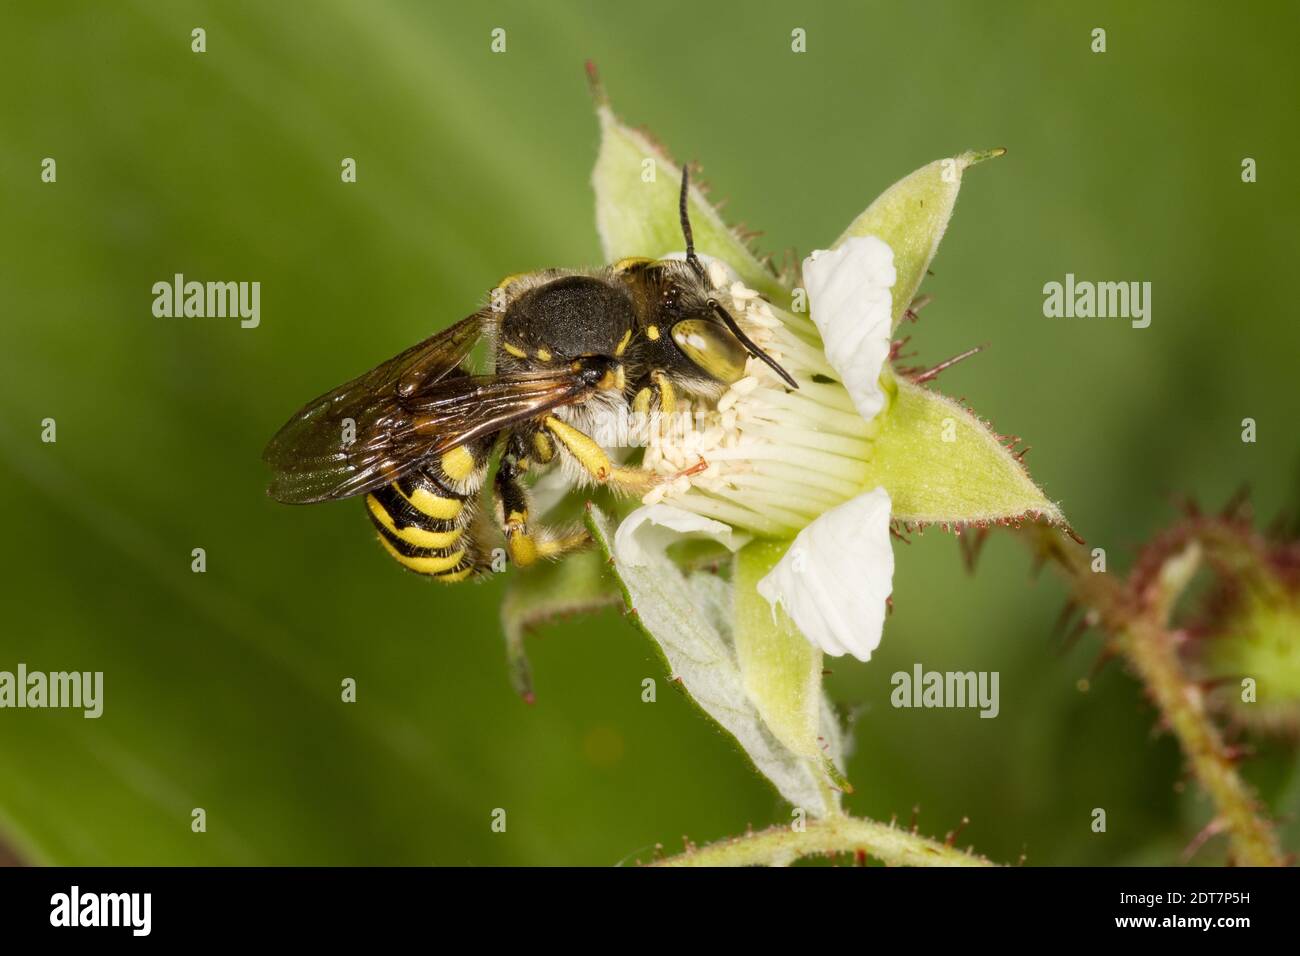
(775, 457)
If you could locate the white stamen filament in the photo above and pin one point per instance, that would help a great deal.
(776, 457)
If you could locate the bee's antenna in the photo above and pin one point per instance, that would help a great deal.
(691, 257)
(714, 304)
(750, 347)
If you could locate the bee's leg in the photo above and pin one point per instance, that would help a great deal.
(661, 388)
(526, 543)
(596, 462)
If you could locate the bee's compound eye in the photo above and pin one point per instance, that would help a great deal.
(710, 346)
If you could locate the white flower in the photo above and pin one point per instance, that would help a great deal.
(651, 528)
(783, 463)
(837, 575)
(850, 290)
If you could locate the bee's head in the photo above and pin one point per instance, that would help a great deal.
(702, 329)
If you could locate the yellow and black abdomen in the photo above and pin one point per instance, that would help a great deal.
(427, 520)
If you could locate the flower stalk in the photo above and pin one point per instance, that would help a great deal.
(838, 834)
(1136, 615)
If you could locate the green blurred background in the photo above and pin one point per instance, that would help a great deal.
(222, 689)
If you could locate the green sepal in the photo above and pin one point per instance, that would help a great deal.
(911, 216)
(690, 620)
(781, 669)
(636, 217)
(943, 465)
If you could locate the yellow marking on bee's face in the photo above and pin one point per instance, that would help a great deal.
(458, 464)
(652, 333)
(432, 565)
(630, 262)
(622, 345)
(514, 350)
(544, 355)
(416, 536)
(434, 506)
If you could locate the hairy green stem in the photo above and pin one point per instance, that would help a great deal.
(1138, 623)
(1151, 650)
(782, 845)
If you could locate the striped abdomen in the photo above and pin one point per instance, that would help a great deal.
(426, 520)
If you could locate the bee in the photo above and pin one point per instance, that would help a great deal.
(416, 435)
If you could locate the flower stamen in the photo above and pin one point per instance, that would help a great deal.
(764, 457)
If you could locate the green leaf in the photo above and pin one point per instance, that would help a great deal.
(580, 583)
(640, 218)
(689, 619)
(911, 216)
(941, 464)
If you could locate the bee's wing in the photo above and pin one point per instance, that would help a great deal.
(395, 434)
(413, 406)
(421, 364)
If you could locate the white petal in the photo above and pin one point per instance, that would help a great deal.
(849, 298)
(651, 528)
(835, 577)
